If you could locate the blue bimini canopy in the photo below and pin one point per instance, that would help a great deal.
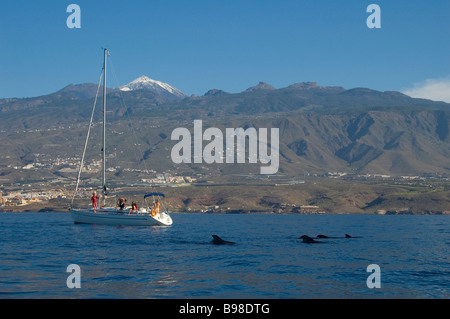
(154, 194)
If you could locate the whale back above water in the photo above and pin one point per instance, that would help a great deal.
(308, 240)
(331, 237)
(219, 241)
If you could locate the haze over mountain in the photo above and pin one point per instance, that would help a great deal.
(322, 129)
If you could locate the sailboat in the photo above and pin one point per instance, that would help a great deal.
(158, 215)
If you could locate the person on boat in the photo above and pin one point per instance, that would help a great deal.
(121, 204)
(94, 200)
(157, 206)
(133, 208)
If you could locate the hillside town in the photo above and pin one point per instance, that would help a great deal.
(20, 193)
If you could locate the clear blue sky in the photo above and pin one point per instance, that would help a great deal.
(228, 44)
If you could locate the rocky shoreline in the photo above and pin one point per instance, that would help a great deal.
(296, 210)
(316, 196)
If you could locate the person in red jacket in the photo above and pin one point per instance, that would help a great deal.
(94, 199)
(133, 208)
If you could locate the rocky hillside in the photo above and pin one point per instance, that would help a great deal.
(321, 128)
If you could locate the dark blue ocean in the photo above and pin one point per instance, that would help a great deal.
(268, 260)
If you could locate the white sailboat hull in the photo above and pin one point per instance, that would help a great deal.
(113, 217)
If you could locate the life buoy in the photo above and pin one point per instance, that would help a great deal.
(154, 212)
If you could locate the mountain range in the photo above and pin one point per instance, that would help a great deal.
(322, 128)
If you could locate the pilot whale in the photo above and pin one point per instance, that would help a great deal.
(346, 236)
(309, 240)
(219, 241)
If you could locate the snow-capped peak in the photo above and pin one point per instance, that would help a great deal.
(146, 83)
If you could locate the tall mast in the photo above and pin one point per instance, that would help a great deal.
(104, 129)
